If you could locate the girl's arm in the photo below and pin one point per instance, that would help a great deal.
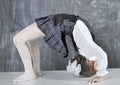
(101, 66)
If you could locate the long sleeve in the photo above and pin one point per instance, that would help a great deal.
(88, 48)
(102, 62)
(81, 34)
(93, 50)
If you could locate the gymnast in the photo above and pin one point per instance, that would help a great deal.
(91, 58)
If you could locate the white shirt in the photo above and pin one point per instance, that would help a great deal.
(88, 48)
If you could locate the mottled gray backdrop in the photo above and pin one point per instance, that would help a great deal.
(103, 16)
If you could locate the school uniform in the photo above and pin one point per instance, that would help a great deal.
(56, 27)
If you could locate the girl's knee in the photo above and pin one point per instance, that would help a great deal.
(17, 39)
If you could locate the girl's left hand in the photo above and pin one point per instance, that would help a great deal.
(96, 79)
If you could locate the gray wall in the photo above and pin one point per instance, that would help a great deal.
(103, 16)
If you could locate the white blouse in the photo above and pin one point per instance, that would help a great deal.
(88, 48)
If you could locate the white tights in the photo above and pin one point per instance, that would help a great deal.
(29, 51)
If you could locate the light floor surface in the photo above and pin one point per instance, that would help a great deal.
(59, 78)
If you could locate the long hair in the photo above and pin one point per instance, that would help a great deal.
(86, 69)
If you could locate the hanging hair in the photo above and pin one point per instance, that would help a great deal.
(86, 69)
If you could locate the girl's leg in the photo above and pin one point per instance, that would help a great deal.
(29, 33)
(35, 53)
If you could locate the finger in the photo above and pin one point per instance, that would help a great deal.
(95, 81)
(90, 81)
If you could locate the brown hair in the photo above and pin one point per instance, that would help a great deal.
(86, 69)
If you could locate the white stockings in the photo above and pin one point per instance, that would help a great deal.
(29, 51)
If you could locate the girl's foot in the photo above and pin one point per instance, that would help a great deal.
(27, 76)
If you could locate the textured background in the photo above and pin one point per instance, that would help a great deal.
(103, 16)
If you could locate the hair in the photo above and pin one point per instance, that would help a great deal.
(86, 69)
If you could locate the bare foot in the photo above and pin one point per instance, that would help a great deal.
(25, 77)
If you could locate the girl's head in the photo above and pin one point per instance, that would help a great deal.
(88, 68)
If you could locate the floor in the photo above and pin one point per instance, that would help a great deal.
(59, 78)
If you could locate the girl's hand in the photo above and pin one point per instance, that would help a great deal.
(96, 79)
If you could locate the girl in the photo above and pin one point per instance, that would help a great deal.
(54, 28)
